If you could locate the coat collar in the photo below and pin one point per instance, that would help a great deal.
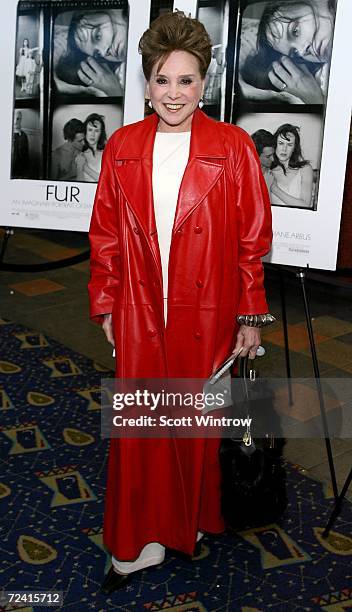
(134, 160)
(205, 141)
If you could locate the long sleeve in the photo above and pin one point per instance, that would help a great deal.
(255, 230)
(104, 242)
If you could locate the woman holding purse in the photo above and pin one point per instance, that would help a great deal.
(180, 222)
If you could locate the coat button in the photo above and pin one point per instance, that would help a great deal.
(197, 335)
(136, 230)
(199, 283)
(198, 229)
(142, 282)
(152, 333)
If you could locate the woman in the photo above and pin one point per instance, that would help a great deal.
(293, 49)
(293, 175)
(96, 52)
(216, 226)
(26, 65)
(89, 161)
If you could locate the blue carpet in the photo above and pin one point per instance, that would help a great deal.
(53, 465)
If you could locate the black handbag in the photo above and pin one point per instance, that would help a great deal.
(253, 478)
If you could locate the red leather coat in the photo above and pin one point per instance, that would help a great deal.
(164, 490)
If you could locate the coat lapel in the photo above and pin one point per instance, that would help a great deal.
(134, 161)
(204, 168)
(133, 164)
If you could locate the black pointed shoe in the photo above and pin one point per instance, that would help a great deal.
(114, 581)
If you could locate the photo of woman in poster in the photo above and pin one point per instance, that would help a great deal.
(292, 174)
(286, 50)
(90, 52)
(24, 66)
(289, 154)
(28, 54)
(89, 161)
(79, 133)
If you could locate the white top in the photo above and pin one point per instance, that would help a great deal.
(170, 156)
(294, 188)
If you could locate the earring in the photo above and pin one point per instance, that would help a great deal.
(201, 103)
(150, 104)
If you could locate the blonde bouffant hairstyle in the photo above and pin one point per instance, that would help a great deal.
(174, 31)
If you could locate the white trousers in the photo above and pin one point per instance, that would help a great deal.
(152, 554)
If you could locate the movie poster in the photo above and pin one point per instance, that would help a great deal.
(289, 94)
(277, 70)
(69, 90)
(69, 83)
(281, 87)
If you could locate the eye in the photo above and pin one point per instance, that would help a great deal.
(98, 34)
(295, 29)
(161, 81)
(186, 81)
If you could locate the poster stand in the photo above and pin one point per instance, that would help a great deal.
(52, 265)
(338, 505)
(300, 274)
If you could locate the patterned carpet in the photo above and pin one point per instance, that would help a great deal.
(51, 503)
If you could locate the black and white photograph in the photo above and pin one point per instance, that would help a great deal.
(285, 51)
(289, 148)
(214, 14)
(79, 136)
(26, 144)
(28, 53)
(90, 50)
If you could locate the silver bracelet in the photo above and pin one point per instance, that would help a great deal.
(259, 320)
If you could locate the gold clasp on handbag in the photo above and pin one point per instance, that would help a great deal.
(247, 438)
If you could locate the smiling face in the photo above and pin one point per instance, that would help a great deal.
(284, 147)
(175, 91)
(93, 134)
(301, 32)
(94, 34)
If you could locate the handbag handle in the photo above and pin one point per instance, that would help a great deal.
(245, 376)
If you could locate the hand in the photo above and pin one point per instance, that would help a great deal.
(274, 186)
(298, 80)
(107, 327)
(94, 74)
(269, 179)
(249, 339)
